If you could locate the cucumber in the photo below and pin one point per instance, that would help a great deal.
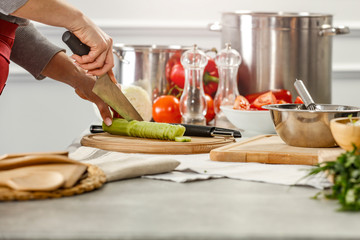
(182, 139)
(144, 129)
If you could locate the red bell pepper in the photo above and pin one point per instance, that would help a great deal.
(177, 75)
(211, 78)
(174, 59)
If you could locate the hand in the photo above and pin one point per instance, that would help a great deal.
(100, 58)
(84, 87)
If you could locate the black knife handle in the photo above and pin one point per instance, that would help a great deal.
(75, 44)
(198, 130)
(96, 129)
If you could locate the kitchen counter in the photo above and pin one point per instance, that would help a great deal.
(152, 209)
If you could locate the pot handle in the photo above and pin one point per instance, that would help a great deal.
(215, 27)
(121, 58)
(327, 30)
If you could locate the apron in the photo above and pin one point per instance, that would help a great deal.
(7, 36)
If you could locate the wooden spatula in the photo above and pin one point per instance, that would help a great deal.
(34, 181)
(16, 162)
(16, 155)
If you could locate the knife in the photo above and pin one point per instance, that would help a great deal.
(193, 130)
(104, 87)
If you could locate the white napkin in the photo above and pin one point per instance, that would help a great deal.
(118, 166)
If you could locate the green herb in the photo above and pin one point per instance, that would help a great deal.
(353, 121)
(345, 172)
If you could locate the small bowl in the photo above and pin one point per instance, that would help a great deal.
(304, 128)
(345, 134)
(250, 123)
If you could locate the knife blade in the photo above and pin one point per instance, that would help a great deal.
(104, 87)
(193, 130)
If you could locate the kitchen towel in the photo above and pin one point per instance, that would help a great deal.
(192, 167)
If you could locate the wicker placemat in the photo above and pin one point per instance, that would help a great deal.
(94, 179)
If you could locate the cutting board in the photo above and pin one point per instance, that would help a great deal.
(127, 144)
(271, 149)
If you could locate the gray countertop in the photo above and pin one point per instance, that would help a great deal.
(152, 209)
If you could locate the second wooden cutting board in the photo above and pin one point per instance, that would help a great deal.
(269, 149)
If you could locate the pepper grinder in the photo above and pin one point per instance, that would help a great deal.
(228, 61)
(193, 101)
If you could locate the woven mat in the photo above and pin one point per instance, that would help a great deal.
(94, 179)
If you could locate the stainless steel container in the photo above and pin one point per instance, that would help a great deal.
(278, 47)
(303, 128)
(145, 66)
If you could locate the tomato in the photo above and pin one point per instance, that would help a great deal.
(166, 109)
(281, 102)
(280, 94)
(241, 103)
(264, 99)
(177, 75)
(210, 113)
(298, 100)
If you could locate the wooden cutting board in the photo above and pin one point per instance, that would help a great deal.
(271, 149)
(126, 144)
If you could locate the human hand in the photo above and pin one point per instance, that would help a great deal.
(83, 88)
(100, 58)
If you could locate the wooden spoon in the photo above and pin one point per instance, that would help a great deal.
(34, 181)
(16, 155)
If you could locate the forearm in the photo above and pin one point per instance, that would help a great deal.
(32, 50)
(52, 12)
(62, 68)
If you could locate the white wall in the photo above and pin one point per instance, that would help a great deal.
(46, 115)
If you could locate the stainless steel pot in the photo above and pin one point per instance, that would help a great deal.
(278, 47)
(144, 65)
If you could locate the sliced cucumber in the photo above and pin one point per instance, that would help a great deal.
(144, 129)
(182, 139)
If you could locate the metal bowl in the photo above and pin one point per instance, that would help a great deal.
(304, 128)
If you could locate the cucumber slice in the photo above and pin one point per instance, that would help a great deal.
(182, 139)
(144, 129)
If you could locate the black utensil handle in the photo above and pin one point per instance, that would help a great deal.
(198, 130)
(75, 44)
(96, 129)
